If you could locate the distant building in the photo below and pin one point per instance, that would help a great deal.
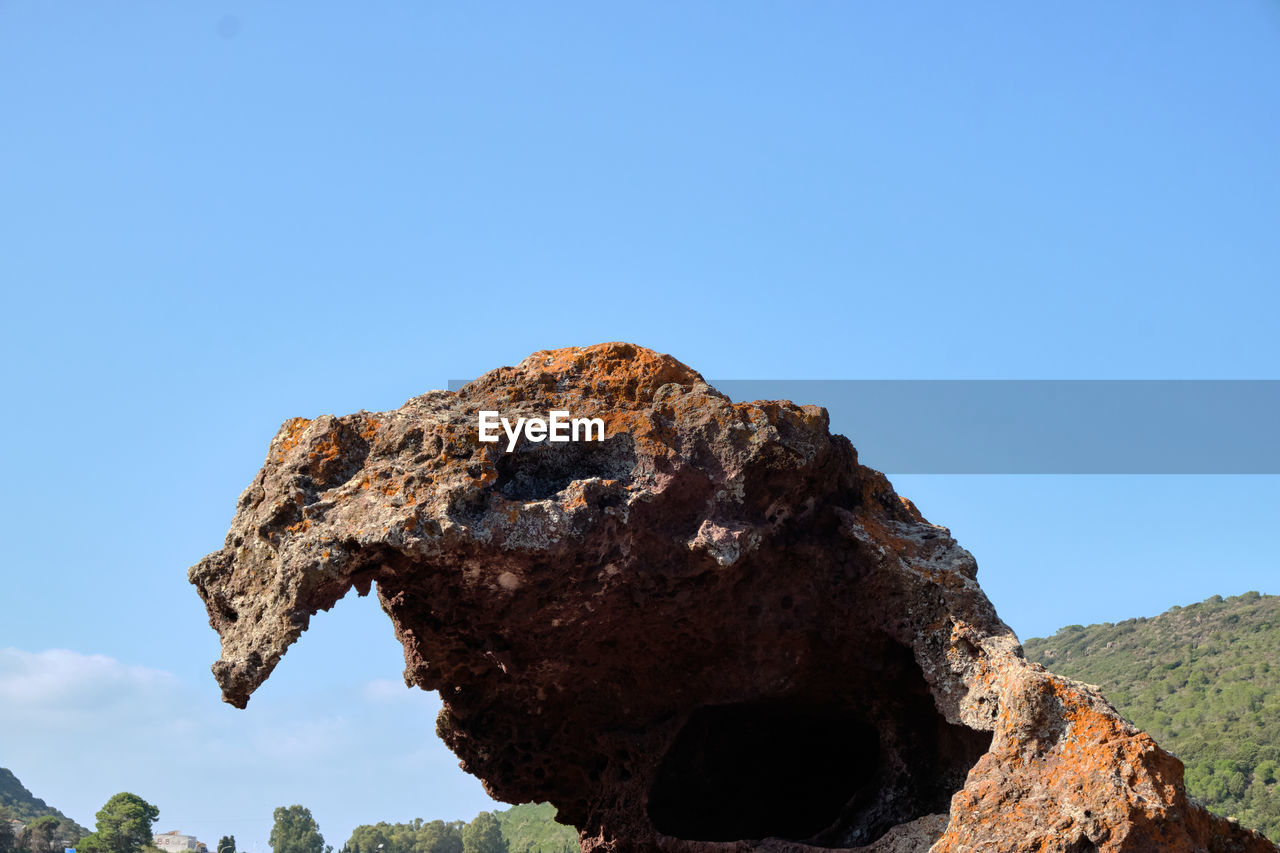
(176, 842)
(17, 827)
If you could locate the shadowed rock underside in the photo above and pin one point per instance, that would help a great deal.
(712, 631)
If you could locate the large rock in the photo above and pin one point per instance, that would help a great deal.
(712, 631)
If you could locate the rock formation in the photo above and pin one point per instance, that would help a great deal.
(714, 630)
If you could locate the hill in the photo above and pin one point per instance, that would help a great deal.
(1204, 681)
(532, 828)
(26, 807)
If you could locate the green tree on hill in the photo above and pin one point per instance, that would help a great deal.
(484, 835)
(370, 838)
(123, 826)
(417, 836)
(296, 831)
(48, 834)
(226, 844)
(439, 837)
(7, 839)
(41, 836)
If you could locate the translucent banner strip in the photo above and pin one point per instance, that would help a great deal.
(1043, 426)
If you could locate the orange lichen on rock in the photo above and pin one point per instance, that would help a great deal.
(288, 437)
(325, 449)
(1111, 788)
(712, 632)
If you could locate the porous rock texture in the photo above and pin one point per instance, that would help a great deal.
(712, 631)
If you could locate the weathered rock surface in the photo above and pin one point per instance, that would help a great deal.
(712, 631)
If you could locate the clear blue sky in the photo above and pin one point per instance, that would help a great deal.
(215, 217)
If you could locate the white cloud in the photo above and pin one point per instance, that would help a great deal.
(62, 682)
(91, 726)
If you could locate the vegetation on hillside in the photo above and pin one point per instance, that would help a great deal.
(22, 805)
(1204, 681)
(529, 828)
(123, 824)
(417, 836)
(532, 828)
(45, 834)
(47, 830)
(483, 835)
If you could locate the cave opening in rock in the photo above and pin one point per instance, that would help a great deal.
(761, 770)
(837, 763)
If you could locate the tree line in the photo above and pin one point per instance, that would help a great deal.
(124, 825)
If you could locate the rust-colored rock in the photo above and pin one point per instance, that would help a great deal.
(712, 631)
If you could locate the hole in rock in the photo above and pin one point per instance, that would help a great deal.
(534, 472)
(829, 766)
(754, 771)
